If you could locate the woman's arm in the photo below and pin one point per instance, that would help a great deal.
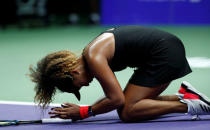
(97, 56)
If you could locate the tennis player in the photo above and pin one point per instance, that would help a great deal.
(157, 57)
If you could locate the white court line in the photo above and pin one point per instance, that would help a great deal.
(25, 103)
(31, 103)
(199, 62)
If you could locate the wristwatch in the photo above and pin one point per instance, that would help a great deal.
(90, 112)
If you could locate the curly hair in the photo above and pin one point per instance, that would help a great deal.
(52, 72)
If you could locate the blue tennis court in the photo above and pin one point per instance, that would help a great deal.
(108, 121)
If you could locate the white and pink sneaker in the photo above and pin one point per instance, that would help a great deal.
(198, 103)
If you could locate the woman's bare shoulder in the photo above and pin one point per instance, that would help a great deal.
(102, 46)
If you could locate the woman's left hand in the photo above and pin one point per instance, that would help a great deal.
(67, 111)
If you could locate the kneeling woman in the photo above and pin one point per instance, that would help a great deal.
(157, 56)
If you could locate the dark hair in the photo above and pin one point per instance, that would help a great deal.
(52, 72)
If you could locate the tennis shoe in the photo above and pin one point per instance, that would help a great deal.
(198, 103)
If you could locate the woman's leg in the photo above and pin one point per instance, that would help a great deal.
(143, 103)
(168, 98)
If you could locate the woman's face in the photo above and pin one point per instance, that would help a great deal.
(81, 77)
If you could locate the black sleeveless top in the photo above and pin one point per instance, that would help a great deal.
(135, 45)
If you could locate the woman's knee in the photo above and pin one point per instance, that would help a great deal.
(125, 115)
(129, 114)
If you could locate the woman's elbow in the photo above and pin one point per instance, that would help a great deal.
(119, 102)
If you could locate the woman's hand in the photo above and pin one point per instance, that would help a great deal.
(67, 111)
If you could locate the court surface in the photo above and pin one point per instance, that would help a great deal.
(108, 121)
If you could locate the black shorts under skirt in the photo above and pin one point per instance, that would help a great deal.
(167, 62)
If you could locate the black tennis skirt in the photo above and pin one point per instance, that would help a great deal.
(167, 63)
